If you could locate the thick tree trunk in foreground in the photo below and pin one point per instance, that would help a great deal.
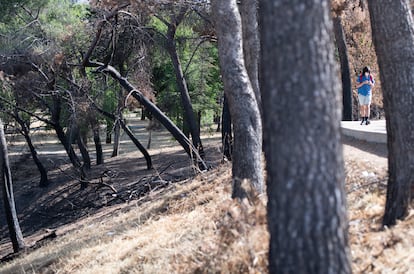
(345, 72)
(393, 34)
(8, 198)
(251, 45)
(305, 175)
(247, 126)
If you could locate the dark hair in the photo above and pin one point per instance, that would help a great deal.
(366, 69)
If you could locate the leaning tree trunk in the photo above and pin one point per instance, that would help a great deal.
(128, 131)
(182, 85)
(60, 133)
(247, 126)
(154, 110)
(345, 71)
(393, 34)
(44, 182)
(8, 197)
(305, 175)
(251, 44)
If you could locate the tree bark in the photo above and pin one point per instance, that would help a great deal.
(15, 232)
(226, 132)
(305, 175)
(154, 110)
(247, 126)
(44, 182)
(98, 144)
(137, 144)
(345, 71)
(60, 133)
(393, 35)
(182, 84)
(251, 45)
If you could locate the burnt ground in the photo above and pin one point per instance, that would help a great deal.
(120, 180)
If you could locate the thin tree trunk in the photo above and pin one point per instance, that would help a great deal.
(84, 152)
(189, 116)
(345, 71)
(393, 35)
(44, 182)
(66, 142)
(117, 135)
(137, 144)
(98, 144)
(15, 232)
(128, 131)
(247, 126)
(305, 175)
(226, 132)
(251, 45)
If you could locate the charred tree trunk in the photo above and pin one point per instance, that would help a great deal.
(128, 131)
(98, 144)
(44, 182)
(154, 110)
(226, 132)
(393, 35)
(305, 176)
(137, 144)
(60, 133)
(182, 84)
(247, 126)
(117, 126)
(345, 71)
(15, 232)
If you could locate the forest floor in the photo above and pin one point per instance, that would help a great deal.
(171, 219)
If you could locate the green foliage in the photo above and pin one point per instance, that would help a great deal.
(199, 60)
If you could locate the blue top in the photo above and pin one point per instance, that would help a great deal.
(365, 89)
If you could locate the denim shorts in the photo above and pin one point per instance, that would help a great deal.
(364, 100)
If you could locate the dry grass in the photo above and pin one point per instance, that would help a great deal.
(186, 228)
(194, 227)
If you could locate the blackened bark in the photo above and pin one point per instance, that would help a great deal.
(128, 131)
(393, 35)
(60, 133)
(182, 84)
(226, 132)
(345, 72)
(247, 126)
(155, 112)
(98, 145)
(117, 127)
(305, 175)
(137, 144)
(15, 232)
(44, 182)
(117, 134)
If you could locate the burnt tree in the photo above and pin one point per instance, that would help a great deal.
(393, 34)
(305, 174)
(15, 232)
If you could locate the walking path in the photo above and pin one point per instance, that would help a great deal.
(374, 132)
